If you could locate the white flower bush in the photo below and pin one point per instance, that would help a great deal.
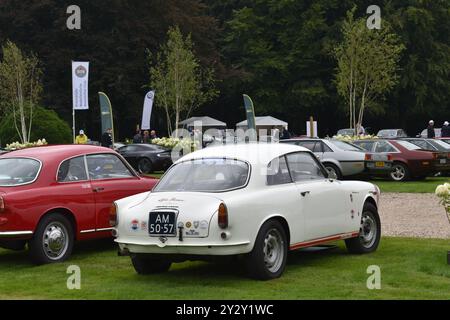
(171, 143)
(347, 138)
(443, 192)
(18, 146)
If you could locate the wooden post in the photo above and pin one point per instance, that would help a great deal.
(311, 126)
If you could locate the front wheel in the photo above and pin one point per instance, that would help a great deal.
(146, 265)
(145, 166)
(53, 240)
(369, 232)
(269, 255)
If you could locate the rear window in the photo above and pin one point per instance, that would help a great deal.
(408, 145)
(18, 171)
(345, 146)
(205, 175)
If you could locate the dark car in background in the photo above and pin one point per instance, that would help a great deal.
(391, 134)
(147, 158)
(410, 161)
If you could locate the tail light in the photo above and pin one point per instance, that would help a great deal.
(368, 157)
(113, 215)
(223, 216)
(389, 157)
(2, 204)
(435, 156)
(448, 155)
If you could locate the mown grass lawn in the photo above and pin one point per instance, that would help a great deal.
(410, 269)
(425, 186)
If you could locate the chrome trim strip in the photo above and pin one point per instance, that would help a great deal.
(104, 229)
(87, 231)
(15, 234)
(96, 230)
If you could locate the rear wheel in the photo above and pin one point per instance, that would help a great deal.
(400, 172)
(269, 255)
(53, 240)
(333, 168)
(144, 264)
(369, 232)
(145, 166)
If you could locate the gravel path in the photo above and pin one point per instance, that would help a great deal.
(413, 215)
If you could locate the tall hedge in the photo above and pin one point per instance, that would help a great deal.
(46, 124)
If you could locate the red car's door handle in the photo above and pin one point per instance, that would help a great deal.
(98, 189)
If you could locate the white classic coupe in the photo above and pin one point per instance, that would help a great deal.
(254, 201)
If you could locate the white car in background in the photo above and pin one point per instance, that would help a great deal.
(256, 201)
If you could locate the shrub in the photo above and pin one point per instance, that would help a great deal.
(46, 124)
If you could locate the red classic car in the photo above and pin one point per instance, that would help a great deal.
(51, 196)
(410, 161)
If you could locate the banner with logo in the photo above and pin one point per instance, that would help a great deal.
(147, 112)
(106, 114)
(80, 85)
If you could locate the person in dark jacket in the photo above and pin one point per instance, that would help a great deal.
(137, 137)
(285, 135)
(107, 138)
(430, 130)
(445, 131)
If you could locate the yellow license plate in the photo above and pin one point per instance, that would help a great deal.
(379, 164)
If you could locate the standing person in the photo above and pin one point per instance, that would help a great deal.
(430, 130)
(81, 138)
(153, 134)
(107, 138)
(285, 134)
(146, 138)
(137, 137)
(445, 131)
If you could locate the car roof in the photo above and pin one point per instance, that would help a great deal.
(45, 153)
(252, 152)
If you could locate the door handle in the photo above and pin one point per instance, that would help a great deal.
(98, 189)
(304, 193)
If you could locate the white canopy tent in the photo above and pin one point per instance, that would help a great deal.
(267, 123)
(204, 122)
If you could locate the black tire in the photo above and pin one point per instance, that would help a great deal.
(255, 260)
(53, 240)
(400, 172)
(144, 264)
(360, 244)
(332, 167)
(145, 166)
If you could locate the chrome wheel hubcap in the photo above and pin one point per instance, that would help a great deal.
(398, 173)
(55, 240)
(368, 231)
(273, 250)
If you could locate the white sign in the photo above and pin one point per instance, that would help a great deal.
(308, 129)
(80, 84)
(147, 112)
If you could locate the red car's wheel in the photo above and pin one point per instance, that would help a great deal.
(53, 240)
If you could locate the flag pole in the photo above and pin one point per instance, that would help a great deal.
(73, 109)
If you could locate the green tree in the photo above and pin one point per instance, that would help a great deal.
(47, 125)
(367, 65)
(20, 88)
(180, 84)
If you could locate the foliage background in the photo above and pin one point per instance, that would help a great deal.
(277, 51)
(46, 125)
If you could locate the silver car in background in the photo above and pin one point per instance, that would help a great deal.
(343, 158)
